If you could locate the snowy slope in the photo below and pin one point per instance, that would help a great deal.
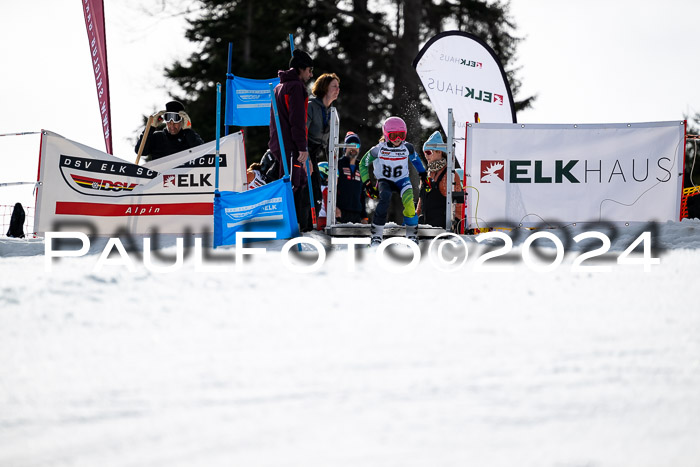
(265, 367)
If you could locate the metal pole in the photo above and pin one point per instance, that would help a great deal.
(450, 167)
(332, 169)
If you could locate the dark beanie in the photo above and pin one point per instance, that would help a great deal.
(300, 59)
(174, 106)
(351, 137)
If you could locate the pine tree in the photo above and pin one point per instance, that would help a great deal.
(370, 50)
(259, 34)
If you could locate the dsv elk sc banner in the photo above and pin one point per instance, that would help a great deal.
(532, 175)
(100, 194)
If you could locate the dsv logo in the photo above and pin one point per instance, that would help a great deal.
(102, 184)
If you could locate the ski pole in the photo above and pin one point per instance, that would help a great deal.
(149, 122)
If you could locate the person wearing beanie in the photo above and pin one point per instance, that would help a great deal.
(292, 99)
(432, 203)
(176, 136)
(351, 197)
(301, 60)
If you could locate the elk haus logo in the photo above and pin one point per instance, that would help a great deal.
(467, 92)
(492, 171)
(577, 171)
(186, 180)
(461, 61)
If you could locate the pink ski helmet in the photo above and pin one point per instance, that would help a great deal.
(394, 129)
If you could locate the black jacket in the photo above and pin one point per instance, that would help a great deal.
(161, 143)
(17, 222)
(351, 193)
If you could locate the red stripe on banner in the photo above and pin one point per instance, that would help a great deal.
(124, 210)
(95, 26)
(386, 158)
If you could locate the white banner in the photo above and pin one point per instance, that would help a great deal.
(535, 175)
(461, 72)
(84, 189)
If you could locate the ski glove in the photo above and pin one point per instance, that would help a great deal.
(186, 122)
(371, 190)
(423, 179)
(157, 118)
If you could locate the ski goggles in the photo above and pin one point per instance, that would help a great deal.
(172, 116)
(397, 135)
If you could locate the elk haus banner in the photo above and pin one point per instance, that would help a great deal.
(84, 189)
(533, 175)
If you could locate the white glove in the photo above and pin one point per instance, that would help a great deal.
(186, 122)
(157, 118)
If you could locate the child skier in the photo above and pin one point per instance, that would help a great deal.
(390, 161)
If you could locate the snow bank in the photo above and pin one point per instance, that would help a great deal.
(264, 367)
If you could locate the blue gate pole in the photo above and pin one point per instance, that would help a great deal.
(228, 72)
(279, 130)
(218, 133)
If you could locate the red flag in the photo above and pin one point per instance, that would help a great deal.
(95, 25)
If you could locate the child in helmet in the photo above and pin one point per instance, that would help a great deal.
(254, 176)
(390, 161)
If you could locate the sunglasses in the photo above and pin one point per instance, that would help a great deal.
(428, 152)
(172, 116)
(395, 135)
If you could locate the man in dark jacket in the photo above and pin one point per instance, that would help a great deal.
(292, 99)
(175, 137)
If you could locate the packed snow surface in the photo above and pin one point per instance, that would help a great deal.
(262, 366)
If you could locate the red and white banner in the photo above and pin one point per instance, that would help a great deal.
(535, 175)
(95, 26)
(84, 189)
